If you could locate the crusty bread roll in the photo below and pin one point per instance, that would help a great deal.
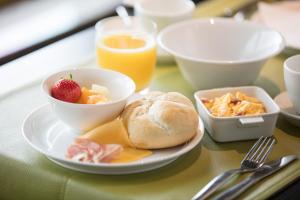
(160, 120)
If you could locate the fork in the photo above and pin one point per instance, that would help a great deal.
(254, 159)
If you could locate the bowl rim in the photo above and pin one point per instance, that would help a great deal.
(189, 8)
(130, 81)
(287, 64)
(213, 21)
(208, 113)
(101, 22)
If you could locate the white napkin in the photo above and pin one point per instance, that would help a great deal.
(284, 17)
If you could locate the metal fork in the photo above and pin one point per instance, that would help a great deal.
(254, 159)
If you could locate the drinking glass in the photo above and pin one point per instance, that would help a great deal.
(127, 46)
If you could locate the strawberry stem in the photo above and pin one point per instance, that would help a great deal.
(69, 77)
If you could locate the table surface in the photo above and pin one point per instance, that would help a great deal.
(26, 174)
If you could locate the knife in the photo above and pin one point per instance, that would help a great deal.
(266, 170)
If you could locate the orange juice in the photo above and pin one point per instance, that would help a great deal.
(132, 55)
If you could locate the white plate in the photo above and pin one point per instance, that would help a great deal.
(290, 35)
(48, 135)
(287, 109)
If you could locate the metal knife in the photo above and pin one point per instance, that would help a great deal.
(266, 170)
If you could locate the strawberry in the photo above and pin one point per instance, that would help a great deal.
(66, 90)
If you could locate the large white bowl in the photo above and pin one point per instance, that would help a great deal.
(83, 117)
(220, 52)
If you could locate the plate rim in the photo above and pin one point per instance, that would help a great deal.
(199, 135)
(283, 111)
(110, 171)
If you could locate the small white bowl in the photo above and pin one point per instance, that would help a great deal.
(84, 117)
(227, 129)
(164, 12)
(220, 52)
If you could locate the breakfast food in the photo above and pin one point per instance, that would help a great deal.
(85, 150)
(97, 94)
(66, 89)
(160, 120)
(108, 143)
(234, 105)
(157, 120)
(112, 132)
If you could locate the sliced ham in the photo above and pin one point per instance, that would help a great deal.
(85, 150)
(110, 152)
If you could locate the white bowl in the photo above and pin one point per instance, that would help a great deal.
(84, 117)
(165, 12)
(227, 129)
(220, 52)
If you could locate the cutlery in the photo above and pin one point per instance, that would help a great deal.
(254, 159)
(266, 170)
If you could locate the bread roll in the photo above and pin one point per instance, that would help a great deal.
(160, 120)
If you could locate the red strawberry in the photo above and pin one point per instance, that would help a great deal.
(66, 90)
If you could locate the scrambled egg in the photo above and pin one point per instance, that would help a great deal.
(230, 105)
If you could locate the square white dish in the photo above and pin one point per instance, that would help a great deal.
(236, 128)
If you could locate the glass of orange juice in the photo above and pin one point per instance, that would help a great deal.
(127, 46)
